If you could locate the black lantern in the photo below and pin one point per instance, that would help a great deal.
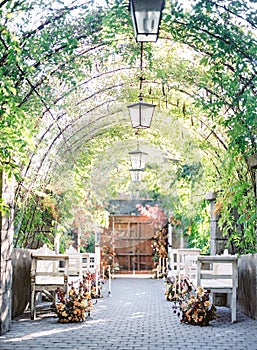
(136, 174)
(146, 17)
(138, 159)
(141, 114)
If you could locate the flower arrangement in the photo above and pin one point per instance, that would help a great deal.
(193, 305)
(172, 288)
(75, 308)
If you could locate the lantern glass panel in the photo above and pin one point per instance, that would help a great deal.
(136, 175)
(146, 17)
(138, 159)
(141, 114)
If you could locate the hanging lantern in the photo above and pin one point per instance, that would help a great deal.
(141, 114)
(136, 175)
(146, 18)
(138, 159)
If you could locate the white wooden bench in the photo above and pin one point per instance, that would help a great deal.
(219, 274)
(80, 266)
(75, 274)
(187, 263)
(46, 274)
(88, 262)
(184, 263)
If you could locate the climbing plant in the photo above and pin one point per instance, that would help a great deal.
(222, 32)
(68, 72)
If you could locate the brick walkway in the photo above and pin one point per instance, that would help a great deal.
(135, 317)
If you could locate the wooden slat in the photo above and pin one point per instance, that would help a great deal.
(215, 276)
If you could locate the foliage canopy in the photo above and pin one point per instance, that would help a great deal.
(68, 72)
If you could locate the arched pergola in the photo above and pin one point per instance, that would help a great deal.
(70, 70)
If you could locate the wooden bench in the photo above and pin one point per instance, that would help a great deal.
(219, 274)
(184, 263)
(75, 274)
(88, 262)
(46, 275)
(81, 265)
(187, 263)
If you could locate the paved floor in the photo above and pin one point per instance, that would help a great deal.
(135, 317)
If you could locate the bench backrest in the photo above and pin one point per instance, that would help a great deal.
(219, 271)
(44, 265)
(45, 269)
(75, 262)
(183, 263)
(186, 255)
(88, 262)
(180, 258)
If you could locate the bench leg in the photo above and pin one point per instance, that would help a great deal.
(233, 306)
(32, 303)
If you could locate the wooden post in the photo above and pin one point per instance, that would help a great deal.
(96, 282)
(110, 280)
(97, 264)
(169, 245)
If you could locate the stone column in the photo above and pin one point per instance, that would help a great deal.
(6, 248)
(217, 241)
(252, 164)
